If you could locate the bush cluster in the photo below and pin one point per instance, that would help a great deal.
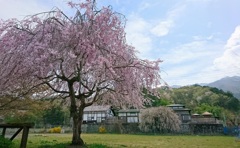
(55, 130)
(5, 143)
(102, 129)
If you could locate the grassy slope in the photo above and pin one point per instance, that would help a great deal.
(135, 141)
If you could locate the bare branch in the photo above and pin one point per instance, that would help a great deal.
(57, 91)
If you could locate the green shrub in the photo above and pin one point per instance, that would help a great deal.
(5, 143)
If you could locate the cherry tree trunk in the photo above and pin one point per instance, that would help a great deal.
(77, 125)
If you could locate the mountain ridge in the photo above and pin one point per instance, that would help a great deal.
(227, 84)
(231, 84)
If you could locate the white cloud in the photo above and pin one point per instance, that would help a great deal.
(230, 60)
(176, 11)
(203, 60)
(202, 38)
(192, 62)
(234, 40)
(163, 27)
(140, 31)
(192, 51)
(144, 5)
(137, 35)
(20, 9)
(136, 24)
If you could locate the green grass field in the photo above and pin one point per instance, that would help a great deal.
(131, 141)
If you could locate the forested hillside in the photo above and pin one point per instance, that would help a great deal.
(202, 98)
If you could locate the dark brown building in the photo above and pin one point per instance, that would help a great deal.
(183, 113)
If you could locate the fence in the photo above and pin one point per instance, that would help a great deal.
(133, 128)
(112, 128)
(204, 129)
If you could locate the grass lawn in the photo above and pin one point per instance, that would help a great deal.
(131, 141)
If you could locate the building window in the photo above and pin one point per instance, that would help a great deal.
(132, 119)
(103, 114)
(121, 114)
(131, 114)
(98, 114)
(186, 117)
(99, 119)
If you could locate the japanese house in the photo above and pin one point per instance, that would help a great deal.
(183, 113)
(97, 114)
(129, 115)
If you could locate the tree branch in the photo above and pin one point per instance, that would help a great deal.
(55, 90)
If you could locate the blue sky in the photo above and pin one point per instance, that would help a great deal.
(198, 40)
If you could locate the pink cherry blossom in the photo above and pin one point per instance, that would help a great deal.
(84, 59)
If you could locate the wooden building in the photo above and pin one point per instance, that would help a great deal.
(183, 113)
(97, 114)
(129, 115)
(205, 118)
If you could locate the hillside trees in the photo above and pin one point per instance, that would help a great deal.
(82, 59)
(203, 98)
(215, 110)
(159, 120)
(161, 99)
(196, 95)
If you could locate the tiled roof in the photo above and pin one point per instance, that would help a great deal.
(129, 110)
(97, 108)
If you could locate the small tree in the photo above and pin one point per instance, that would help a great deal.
(159, 119)
(54, 116)
(21, 110)
(83, 59)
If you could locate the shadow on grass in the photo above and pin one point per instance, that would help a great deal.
(64, 145)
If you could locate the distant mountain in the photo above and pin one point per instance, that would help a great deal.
(231, 84)
(176, 86)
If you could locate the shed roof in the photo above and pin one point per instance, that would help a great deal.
(206, 113)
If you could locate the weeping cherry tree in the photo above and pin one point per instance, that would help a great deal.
(159, 120)
(82, 58)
